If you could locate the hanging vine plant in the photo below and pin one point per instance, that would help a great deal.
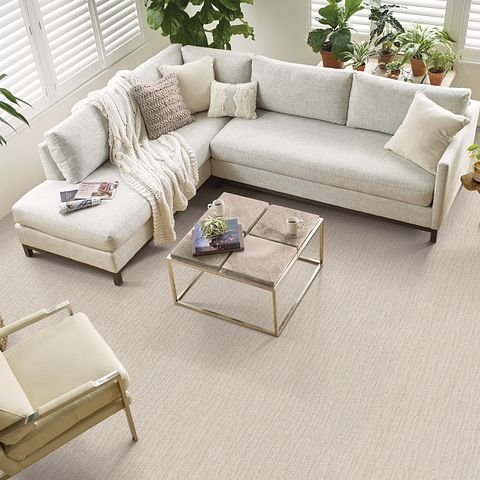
(211, 24)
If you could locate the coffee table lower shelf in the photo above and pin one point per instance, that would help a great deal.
(277, 326)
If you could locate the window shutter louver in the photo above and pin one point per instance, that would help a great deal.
(71, 42)
(359, 21)
(426, 12)
(473, 30)
(17, 60)
(119, 26)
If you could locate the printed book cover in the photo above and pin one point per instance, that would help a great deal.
(103, 190)
(230, 241)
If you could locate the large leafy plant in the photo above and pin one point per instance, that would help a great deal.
(10, 104)
(211, 24)
(337, 35)
(386, 28)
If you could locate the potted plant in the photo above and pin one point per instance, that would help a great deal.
(10, 104)
(474, 154)
(439, 63)
(417, 41)
(360, 54)
(213, 227)
(334, 41)
(396, 68)
(385, 32)
(205, 23)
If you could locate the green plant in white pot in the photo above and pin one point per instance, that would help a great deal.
(334, 40)
(9, 103)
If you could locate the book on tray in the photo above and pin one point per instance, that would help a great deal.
(230, 241)
(102, 190)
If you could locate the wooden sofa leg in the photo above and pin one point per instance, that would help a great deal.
(433, 236)
(28, 253)
(117, 279)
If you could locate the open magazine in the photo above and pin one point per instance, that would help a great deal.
(102, 190)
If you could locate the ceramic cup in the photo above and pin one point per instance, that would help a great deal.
(293, 224)
(217, 207)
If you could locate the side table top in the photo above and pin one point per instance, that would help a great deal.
(469, 183)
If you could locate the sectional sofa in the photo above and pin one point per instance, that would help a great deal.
(320, 134)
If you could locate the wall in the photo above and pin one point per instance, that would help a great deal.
(281, 32)
(20, 168)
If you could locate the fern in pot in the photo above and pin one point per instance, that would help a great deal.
(334, 40)
(439, 63)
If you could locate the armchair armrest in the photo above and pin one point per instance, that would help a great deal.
(452, 165)
(34, 318)
(66, 399)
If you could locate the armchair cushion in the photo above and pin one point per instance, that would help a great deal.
(14, 403)
(60, 358)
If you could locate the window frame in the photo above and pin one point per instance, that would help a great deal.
(52, 94)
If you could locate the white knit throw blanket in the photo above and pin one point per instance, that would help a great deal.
(164, 171)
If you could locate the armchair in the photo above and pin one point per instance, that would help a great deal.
(55, 385)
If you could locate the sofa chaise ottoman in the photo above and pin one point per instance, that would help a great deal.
(320, 134)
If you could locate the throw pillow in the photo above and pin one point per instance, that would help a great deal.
(194, 79)
(79, 144)
(425, 133)
(162, 106)
(228, 100)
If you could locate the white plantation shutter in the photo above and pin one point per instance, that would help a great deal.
(472, 41)
(119, 27)
(17, 60)
(72, 49)
(359, 21)
(426, 12)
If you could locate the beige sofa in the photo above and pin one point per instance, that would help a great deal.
(319, 135)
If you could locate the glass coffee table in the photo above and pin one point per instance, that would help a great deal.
(268, 256)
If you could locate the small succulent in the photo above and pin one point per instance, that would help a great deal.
(213, 227)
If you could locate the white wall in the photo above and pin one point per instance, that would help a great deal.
(20, 167)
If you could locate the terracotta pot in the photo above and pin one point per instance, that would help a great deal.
(329, 61)
(361, 68)
(419, 68)
(436, 78)
(394, 74)
(476, 171)
(384, 59)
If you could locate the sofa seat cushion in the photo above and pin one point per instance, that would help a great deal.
(325, 153)
(105, 227)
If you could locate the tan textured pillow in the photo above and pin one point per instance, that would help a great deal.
(194, 79)
(425, 133)
(162, 106)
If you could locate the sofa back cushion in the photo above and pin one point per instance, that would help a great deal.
(381, 104)
(172, 55)
(79, 144)
(14, 404)
(302, 90)
(229, 67)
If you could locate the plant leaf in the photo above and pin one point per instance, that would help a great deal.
(9, 109)
(316, 38)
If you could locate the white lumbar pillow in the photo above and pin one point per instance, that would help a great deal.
(425, 133)
(233, 100)
(194, 80)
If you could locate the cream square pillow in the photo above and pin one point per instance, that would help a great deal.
(194, 79)
(425, 133)
(233, 100)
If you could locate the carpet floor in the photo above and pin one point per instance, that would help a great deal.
(377, 375)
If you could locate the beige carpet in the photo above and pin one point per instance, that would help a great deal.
(377, 376)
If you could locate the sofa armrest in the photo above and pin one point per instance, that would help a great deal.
(34, 318)
(452, 165)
